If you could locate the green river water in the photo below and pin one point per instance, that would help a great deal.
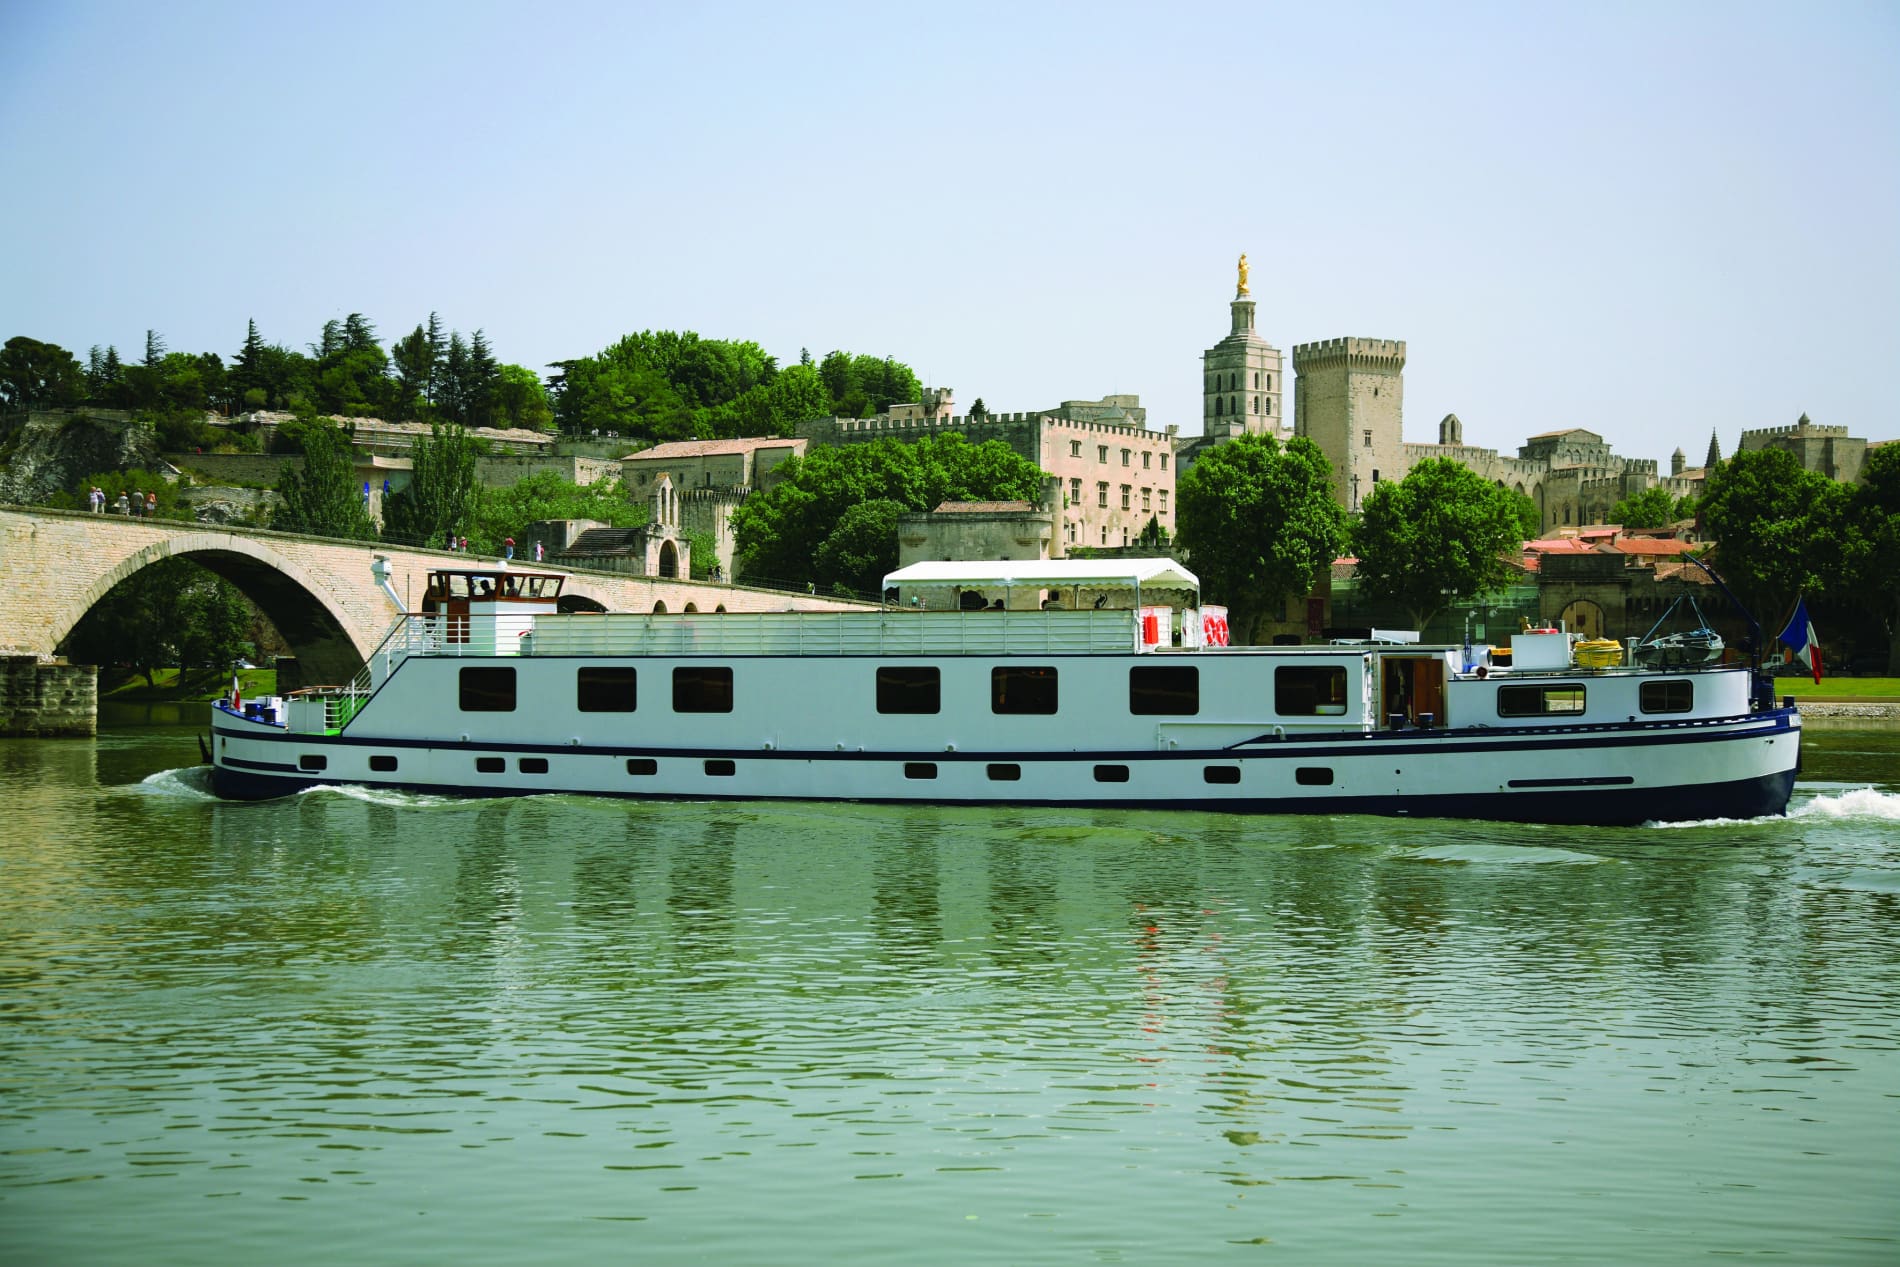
(348, 1028)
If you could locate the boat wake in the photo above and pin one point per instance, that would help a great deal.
(385, 796)
(186, 783)
(1860, 803)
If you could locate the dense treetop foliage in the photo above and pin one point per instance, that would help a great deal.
(1440, 534)
(1260, 524)
(833, 517)
(1783, 533)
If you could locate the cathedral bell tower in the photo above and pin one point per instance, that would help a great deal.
(1240, 377)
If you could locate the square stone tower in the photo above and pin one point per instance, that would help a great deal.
(1241, 380)
(1349, 399)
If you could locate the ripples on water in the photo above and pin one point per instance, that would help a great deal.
(367, 1027)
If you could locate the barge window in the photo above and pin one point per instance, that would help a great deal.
(906, 688)
(642, 765)
(382, 764)
(1313, 776)
(720, 769)
(1540, 701)
(1171, 690)
(1111, 774)
(490, 765)
(1309, 690)
(605, 690)
(920, 769)
(1674, 696)
(312, 761)
(488, 690)
(1005, 772)
(1023, 689)
(702, 689)
(533, 765)
(1221, 774)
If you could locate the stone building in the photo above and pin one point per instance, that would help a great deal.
(1113, 472)
(1349, 399)
(1241, 384)
(982, 530)
(1827, 449)
(712, 477)
(655, 548)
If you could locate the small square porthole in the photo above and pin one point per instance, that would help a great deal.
(920, 769)
(1005, 772)
(312, 761)
(533, 765)
(1313, 776)
(721, 769)
(1221, 774)
(383, 764)
(642, 765)
(490, 765)
(1111, 774)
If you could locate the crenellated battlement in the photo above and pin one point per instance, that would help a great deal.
(1804, 427)
(1382, 354)
(894, 427)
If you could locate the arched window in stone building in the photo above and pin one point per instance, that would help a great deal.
(1220, 403)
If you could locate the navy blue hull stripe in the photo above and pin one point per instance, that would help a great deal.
(1743, 798)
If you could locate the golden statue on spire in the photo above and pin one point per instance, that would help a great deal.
(1241, 292)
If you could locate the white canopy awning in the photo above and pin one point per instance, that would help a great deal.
(1048, 574)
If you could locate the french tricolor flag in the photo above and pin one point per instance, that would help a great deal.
(1801, 637)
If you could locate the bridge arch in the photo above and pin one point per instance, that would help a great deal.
(293, 600)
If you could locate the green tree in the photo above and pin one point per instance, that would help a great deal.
(1778, 530)
(1259, 524)
(1530, 520)
(520, 399)
(323, 498)
(1442, 533)
(787, 532)
(507, 512)
(1651, 508)
(443, 494)
(35, 373)
(1873, 550)
(414, 360)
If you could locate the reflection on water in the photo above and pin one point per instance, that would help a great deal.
(403, 1029)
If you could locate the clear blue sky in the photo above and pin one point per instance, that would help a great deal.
(1649, 220)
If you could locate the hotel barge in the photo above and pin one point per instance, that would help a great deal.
(1060, 691)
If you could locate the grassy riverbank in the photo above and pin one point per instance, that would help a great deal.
(1843, 689)
(198, 684)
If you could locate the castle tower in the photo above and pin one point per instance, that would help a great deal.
(1349, 399)
(1240, 377)
(1677, 461)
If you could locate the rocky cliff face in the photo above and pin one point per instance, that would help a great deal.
(51, 451)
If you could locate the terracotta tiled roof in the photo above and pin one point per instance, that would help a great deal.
(982, 508)
(1654, 546)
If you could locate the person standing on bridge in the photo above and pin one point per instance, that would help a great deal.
(508, 547)
(151, 505)
(124, 505)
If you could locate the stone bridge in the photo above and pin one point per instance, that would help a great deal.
(318, 591)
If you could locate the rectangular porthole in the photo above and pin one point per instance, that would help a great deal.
(1005, 772)
(1313, 776)
(383, 764)
(920, 769)
(490, 765)
(702, 689)
(1540, 701)
(642, 765)
(1170, 690)
(1674, 696)
(1221, 774)
(903, 688)
(721, 769)
(533, 765)
(1023, 689)
(1111, 774)
(312, 761)
(487, 690)
(605, 690)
